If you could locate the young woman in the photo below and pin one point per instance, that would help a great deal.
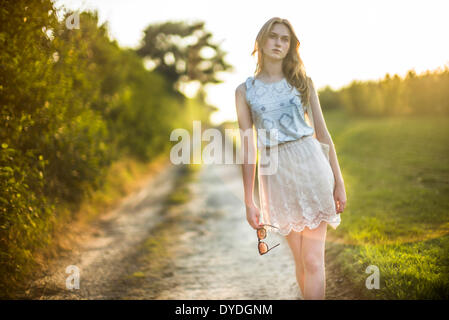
(307, 191)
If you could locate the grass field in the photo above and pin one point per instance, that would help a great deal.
(396, 173)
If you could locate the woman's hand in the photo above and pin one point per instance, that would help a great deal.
(253, 216)
(340, 197)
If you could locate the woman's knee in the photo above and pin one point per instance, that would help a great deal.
(313, 247)
(313, 263)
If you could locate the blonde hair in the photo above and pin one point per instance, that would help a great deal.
(292, 65)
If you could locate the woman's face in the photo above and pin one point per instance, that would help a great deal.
(278, 42)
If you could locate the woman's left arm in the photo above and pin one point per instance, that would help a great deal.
(323, 135)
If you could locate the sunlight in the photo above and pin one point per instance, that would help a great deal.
(340, 41)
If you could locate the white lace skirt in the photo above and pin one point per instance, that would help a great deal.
(299, 193)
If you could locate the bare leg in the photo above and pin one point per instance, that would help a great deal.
(313, 246)
(294, 240)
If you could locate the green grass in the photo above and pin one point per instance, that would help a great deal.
(396, 174)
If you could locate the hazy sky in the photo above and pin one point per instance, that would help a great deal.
(341, 40)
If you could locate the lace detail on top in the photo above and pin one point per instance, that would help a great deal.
(277, 112)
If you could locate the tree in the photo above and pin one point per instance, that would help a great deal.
(183, 52)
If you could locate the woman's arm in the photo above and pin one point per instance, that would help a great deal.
(248, 147)
(322, 134)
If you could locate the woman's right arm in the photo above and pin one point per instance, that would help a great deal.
(249, 154)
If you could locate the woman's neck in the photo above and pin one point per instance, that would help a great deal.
(272, 71)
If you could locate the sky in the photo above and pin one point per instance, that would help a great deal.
(340, 40)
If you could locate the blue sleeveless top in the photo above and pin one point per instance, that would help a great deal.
(277, 112)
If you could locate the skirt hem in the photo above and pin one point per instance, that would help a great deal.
(331, 221)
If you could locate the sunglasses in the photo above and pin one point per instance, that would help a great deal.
(262, 234)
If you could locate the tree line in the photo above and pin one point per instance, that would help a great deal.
(415, 94)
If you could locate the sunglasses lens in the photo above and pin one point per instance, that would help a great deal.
(263, 248)
(261, 233)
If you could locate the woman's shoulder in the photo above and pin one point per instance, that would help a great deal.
(244, 86)
(241, 88)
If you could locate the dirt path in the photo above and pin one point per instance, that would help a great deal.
(106, 250)
(202, 249)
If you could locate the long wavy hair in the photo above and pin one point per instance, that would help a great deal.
(292, 65)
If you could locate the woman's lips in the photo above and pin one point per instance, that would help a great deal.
(276, 50)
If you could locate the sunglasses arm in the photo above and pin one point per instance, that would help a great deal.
(273, 247)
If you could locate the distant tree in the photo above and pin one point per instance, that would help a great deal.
(183, 52)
